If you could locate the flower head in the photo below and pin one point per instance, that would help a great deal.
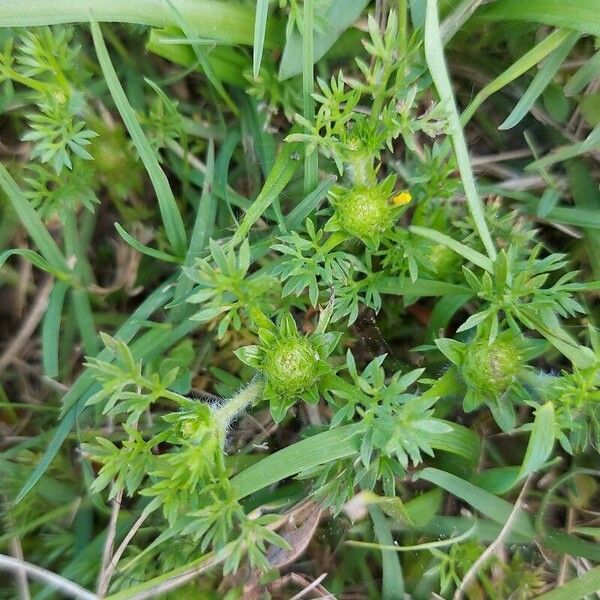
(290, 362)
(366, 212)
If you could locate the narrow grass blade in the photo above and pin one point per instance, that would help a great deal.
(460, 441)
(203, 227)
(206, 213)
(465, 251)
(51, 328)
(85, 321)
(32, 222)
(311, 157)
(518, 68)
(457, 18)
(260, 28)
(421, 287)
(437, 66)
(230, 143)
(392, 585)
(61, 433)
(339, 16)
(489, 505)
(582, 586)
(541, 80)
(32, 256)
(587, 199)
(305, 454)
(591, 142)
(541, 441)
(584, 75)
(581, 15)
(143, 249)
(299, 213)
(284, 168)
(442, 313)
(171, 217)
(226, 22)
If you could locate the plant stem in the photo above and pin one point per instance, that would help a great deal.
(236, 404)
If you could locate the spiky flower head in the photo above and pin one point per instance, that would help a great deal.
(488, 371)
(291, 363)
(366, 212)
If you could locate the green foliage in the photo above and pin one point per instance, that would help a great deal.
(45, 62)
(226, 292)
(289, 353)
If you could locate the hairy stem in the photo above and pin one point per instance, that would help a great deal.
(236, 404)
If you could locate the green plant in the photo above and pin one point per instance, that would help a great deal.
(225, 366)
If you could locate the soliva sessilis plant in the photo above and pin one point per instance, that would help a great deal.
(346, 340)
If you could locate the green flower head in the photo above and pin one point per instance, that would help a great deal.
(488, 371)
(365, 212)
(291, 363)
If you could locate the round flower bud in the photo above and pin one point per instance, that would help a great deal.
(363, 212)
(491, 368)
(291, 365)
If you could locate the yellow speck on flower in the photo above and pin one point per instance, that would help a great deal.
(402, 198)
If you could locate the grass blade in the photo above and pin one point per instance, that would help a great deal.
(284, 168)
(581, 15)
(591, 142)
(541, 80)
(587, 198)
(585, 584)
(51, 328)
(420, 287)
(305, 454)
(311, 157)
(584, 75)
(260, 28)
(85, 320)
(297, 215)
(518, 68)
(437, 66)
(339, 16)
(143, 249)
(32, 256)
(465, 251)
(206, 213)
(168, 207)
(32, 222)
(459, 16)
(541, 441)
(393, 583)
(203, 227)
(487, 504)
